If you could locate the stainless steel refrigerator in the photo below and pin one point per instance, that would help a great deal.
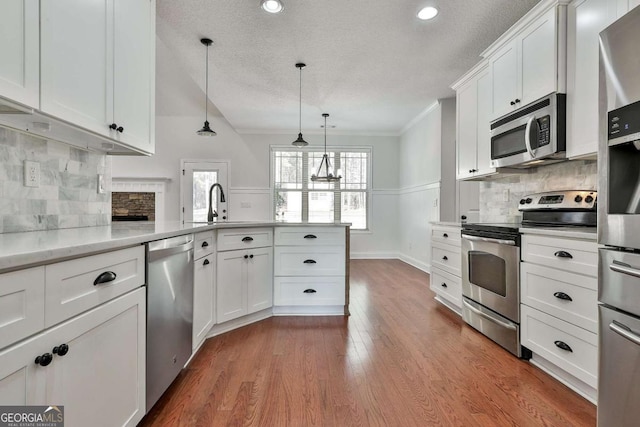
(619, 223)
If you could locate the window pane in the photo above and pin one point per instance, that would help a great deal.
(354, 171)
(315, 158)
(288, 170)
(288, 206)
(202, 181)
(321, 206)
(354, 209)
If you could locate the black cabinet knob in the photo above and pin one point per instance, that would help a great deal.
(224, 217)
(517, 101)
(563, 296)
(113, 126)
(61, 350)
(247, 239)
(563, 346)
(445, 235)
(106, 277)
(44, 360)
(563, 254)
(206, 262)
(444, 285)
(246, 256)
(120, 129)
(512, 103)
(205, 244)
(444, 258)
(251, 256)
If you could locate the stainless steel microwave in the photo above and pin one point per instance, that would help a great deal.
(532, 135)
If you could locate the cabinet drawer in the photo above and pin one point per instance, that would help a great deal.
(70, 288)
(21, 304)
(446, 285)
(301, 261)
(444, 234)
(568, 296)
(244, 238)
(291, 291)
(447, 258)
(540, 332)
(579, 256)
(309, 236)
(203, 244)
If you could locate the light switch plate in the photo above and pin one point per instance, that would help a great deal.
(31, 174)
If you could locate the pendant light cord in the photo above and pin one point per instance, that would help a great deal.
(325, 134)
(300, 104)
(206, 86)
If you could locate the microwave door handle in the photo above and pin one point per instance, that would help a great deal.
(527, 137)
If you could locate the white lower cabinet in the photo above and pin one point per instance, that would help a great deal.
(99, 379)
(446, 262)
(203, 299)
(244, 282)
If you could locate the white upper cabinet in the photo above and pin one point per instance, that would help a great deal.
(624, 6)
(528, 61)
(98, 72)
(473, 105)
(19, 67)
(586, 19)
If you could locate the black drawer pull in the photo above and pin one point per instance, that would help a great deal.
(61, 349)
(106, 277)
(562, 295)
(445, 235)
(445, 258)
(444, 285)
(246, 256)
(309, 261)
(563, 254)
(563, 346)
(247, 239)
(206, 262)
(251, 256)
(44, 360)
(309, 291)
(310, 236)
(205, 244)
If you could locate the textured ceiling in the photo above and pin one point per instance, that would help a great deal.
(370, 63)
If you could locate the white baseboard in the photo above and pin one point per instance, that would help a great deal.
(374, 255)
(311, 310)
(240, 322)
(416, 263)
(580, 387)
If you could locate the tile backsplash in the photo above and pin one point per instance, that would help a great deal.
(571, 175)
(67, 196)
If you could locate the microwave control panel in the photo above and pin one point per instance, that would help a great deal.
(544, 131)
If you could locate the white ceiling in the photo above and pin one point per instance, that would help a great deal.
(371, 64)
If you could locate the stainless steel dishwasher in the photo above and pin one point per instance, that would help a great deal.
(169, 312)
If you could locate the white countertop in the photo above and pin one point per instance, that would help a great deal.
(19, 250)
(447, 223)
(587, 233)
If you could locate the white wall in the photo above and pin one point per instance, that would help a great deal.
(249, 179)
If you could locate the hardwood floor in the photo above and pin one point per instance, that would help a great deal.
(400, 359)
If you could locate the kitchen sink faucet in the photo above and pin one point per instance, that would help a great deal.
(212, 213)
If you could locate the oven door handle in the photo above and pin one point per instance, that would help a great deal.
(625, 332)
(489, 240)
(488, 317)
(527, 137)
(624, 268)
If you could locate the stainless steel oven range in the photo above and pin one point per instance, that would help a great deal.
(491, 262)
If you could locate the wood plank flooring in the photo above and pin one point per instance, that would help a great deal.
(400, 359)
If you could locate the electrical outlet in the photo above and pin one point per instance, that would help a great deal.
(505, 195)
(101, 184)
(31, 174)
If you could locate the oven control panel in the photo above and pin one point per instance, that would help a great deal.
(560, 200)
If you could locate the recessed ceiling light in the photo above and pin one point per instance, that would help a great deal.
(428, 12)
(272, 6)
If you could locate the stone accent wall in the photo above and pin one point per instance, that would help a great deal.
(67, 196)
(570, 175)
(134, 204)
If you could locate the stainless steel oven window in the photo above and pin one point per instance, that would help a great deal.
(488, 271)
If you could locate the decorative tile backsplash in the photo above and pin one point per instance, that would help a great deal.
(67, 196)
(571, 175)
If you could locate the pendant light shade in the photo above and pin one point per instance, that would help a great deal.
(300, 142)
(325, 171)
(206, 130)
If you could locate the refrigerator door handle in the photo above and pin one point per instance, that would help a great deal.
(625, 332)
(621, 267)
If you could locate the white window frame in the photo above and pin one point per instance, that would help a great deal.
(337, 206)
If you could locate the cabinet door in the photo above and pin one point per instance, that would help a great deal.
(538, 58)
(467, 104)
(483, 150)
(231, 285)
(101, 380)
(22, 382)
(203, 314)
(77, 62)
(504, 80)
(586, 19)
(20, 51)
(133, 71)
(260, 279)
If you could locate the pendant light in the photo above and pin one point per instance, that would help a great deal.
(300, 142)
(325, 171)
(206, 130)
